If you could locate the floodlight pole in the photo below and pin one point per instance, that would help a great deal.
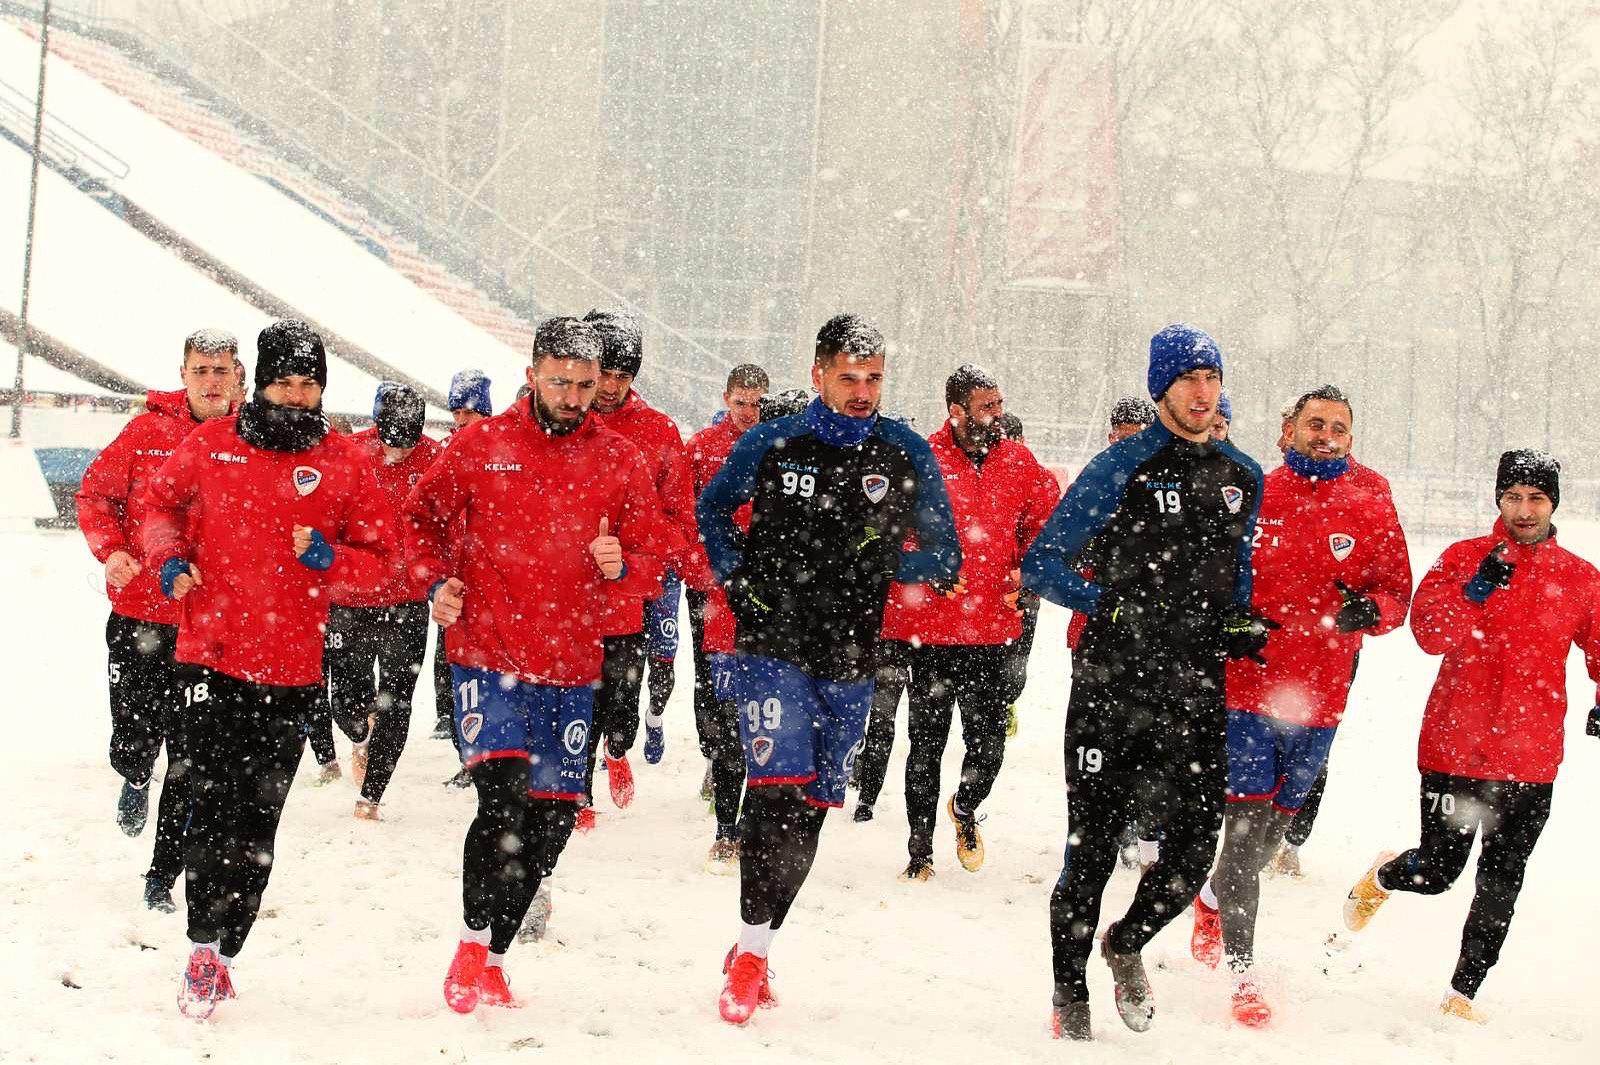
(33, 207)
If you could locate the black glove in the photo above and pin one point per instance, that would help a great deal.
(1244, 635)
(1493, 572)
(1593, 727)
(1358, 612)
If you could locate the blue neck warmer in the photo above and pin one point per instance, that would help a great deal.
(837, 430)
(1321, 469)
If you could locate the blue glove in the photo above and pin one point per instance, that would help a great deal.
(319, 555)
(1593, 727)
(171, 570)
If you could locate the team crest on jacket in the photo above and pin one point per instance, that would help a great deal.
(761, 749)
(471, 725)
(306, 479)
(1233, 497)
(1341, 544)
(876, 485)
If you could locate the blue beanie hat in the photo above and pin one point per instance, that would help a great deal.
(1176, 350)
(469, 390)
(1225, 408)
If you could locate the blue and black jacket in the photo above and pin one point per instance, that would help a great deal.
(835, 499)
(1165, 523)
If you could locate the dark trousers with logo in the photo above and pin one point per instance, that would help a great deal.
(717, 723)
(894, 669)
(244, 745)
(1510, 815)
(146, 713)
(395, 640)
(513, 844)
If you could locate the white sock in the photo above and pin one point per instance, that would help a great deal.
(1149, 851)
(1208, 896)
(474, 935)
(653, 720)
(1292, 848)
(215, 945)
(496, 961)
(756, 939)
(227, 962)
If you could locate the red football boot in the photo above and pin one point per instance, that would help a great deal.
(619, 774)
(767, 999)
(1205, 942)
(493, 990)
(202, 984)
(461, 982)
(741, 991)
(585, 821)
(1249, 1007)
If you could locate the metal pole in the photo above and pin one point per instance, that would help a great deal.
(33, 206)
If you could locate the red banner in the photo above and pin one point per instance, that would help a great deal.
(1061, 229)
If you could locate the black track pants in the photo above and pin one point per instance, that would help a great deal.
(395, 640)
(1511, 816)
(244, 745)
(779, 837)
(147, 713)
(943, 678)
(513, 843)
(893, 675)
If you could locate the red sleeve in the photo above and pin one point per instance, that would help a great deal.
(1387, 580)
(1588, 636)
(677, 502)
(426, 517)
(364, 541)
(103, 496)
(1442, 617)
(167, 499)
(1043, 496)
(644, 535)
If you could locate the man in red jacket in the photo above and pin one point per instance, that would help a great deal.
(1330, 566)
(1503, 610)
(959, 635)
(251, 523)
(559, 515)
(716, 715)
(620, 408)
(143, 627)
(387, 627)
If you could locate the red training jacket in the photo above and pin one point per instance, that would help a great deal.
(667, 465)
(1497, 709)
(396, 481)
(708, 450)
(1311, 533)
(535, 600)
(111, 505)
(999, 508)
(230, 509)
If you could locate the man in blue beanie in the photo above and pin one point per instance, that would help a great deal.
(469, 397)
(1163, 519)
(469, 402)
(1222, 424)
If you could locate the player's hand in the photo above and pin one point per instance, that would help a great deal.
(950, 589)
(1358, 612)
(606, 550)
(1494, 572)
(183, 580)
(121, 568)
(1013, 597)
(448, 600)
(311, 549)
(302, 539)
(1593, 727)
(1244, 635)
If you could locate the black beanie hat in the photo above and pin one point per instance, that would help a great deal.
(623, 349)
(1534, 468)
(290, 348)
(398, 412)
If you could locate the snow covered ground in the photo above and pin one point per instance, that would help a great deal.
(361, 918)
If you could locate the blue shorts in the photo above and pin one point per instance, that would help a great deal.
(661, 620)
(797, 729)
(499, 716)
(1273, 759)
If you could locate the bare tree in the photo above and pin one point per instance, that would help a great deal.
(1520, 203)
(1310, 95)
